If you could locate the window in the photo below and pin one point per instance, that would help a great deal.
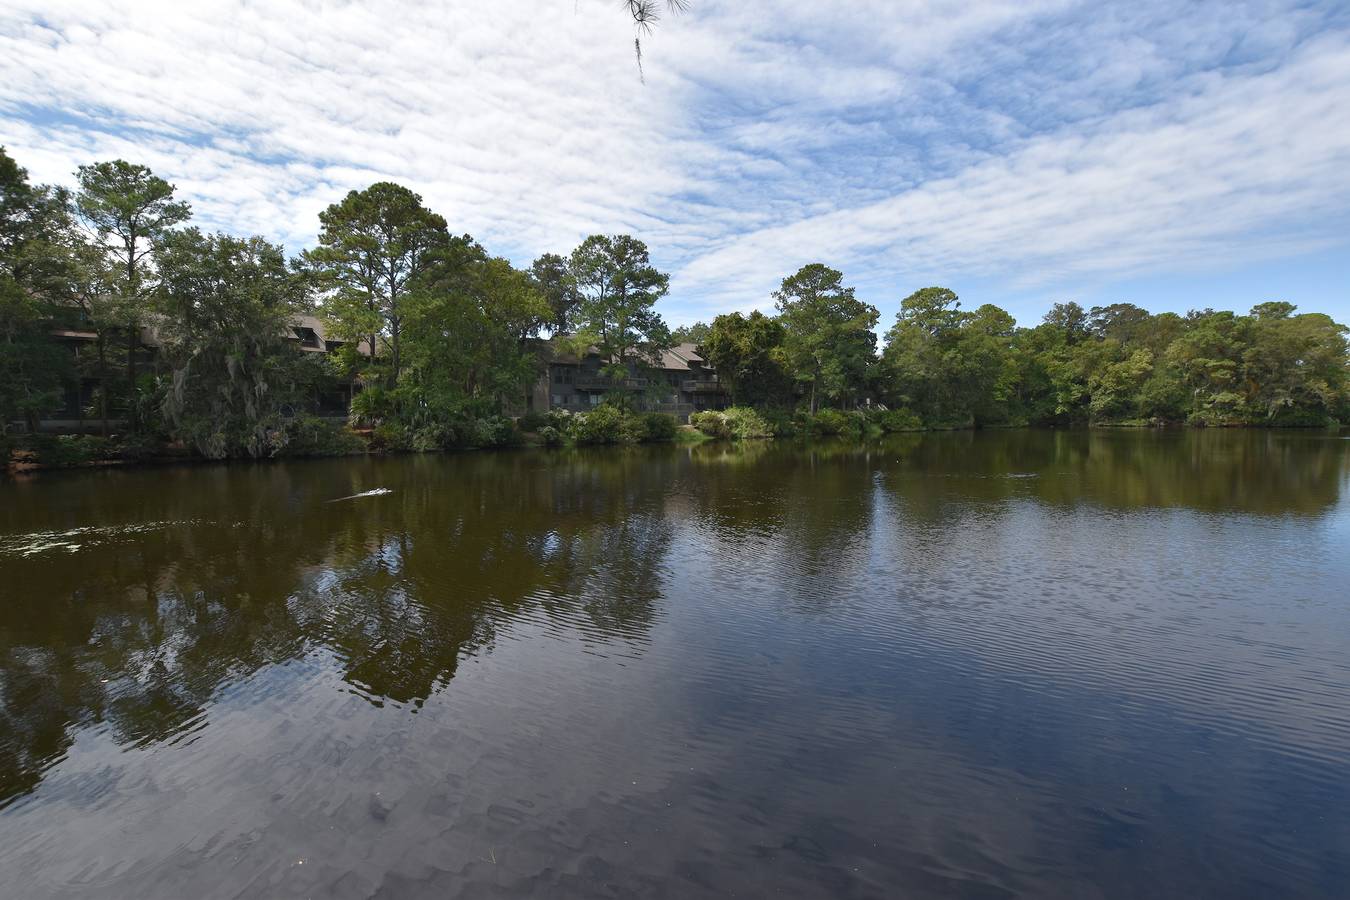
(562, 374)
(596, 398)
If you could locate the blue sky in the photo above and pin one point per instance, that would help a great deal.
(1170, 154)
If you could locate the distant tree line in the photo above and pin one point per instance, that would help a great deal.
(1117, 364)
(437, 336)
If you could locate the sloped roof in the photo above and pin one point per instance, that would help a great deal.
(677, 359)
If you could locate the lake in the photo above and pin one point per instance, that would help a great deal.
(1079, 664)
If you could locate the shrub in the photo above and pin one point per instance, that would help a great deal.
(390, 436)
(432, 437)
(829, 422)
(372, 406)
(533, 421)
(60, 451)
(313, 436)
(550, 436)
(892, 420)
(711, 423)
(632, 430)
(745, 424)
(493, 431)
(658, 427)
(602, 425)
(560, 420)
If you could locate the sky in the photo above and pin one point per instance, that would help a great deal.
(1176, 155)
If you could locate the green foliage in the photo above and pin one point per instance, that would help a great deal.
(712, 423)
(550, 436)
(533, 421)
(833, 422)
(554, 281)
(618, 289)
(64, 451)
(691, 334)
(602, 425)
(737, 423)
(466, 331)
(226, 304)
(657, 427)
(894, 420)
(828, 343)
(32, 367)
(392, 436)
(312, 436)
(375, 247)
(747, 352)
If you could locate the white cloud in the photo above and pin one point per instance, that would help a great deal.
(1020, 141)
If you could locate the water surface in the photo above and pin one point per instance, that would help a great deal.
(1048, 664)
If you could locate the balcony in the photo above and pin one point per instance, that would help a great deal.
(701, 386)
(601, 383)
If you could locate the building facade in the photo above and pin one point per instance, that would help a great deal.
(678, 382)
(79, 411)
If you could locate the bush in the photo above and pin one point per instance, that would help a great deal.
(493, 431)
(433, 437)
(632, 430)
(390, 436)
(313, 436)
(372, 406)
(61, 451)
(829, 422)
(533, 421)
(550, 436)
(893, 420)
(658, 427)
(745, 424)
(602, 425)
(711, 423)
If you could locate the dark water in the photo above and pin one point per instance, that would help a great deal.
(1037, 664)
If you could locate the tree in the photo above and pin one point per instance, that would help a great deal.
(747, 352)
(130, 210)
(554, 282)
(617, 314)
(949, 366)
(690, 334)
(32, 367)
(468, 330)
(226, 304)
(374, 247)
(1294, 368)
(828, 342)
(1071, 318)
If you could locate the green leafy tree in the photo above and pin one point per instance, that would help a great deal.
(1071, 318)
(468, 331)
(1294, 368)
(690, 334)
(129, 210)
(226, 304)
(747, 353)
(554, 282)
(828, 344)
(619, 288)
(949, 366)
(32, 366)
(374, 248)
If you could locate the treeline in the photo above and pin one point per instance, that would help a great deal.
(945, 367)
(433, 338)
(431, 335)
